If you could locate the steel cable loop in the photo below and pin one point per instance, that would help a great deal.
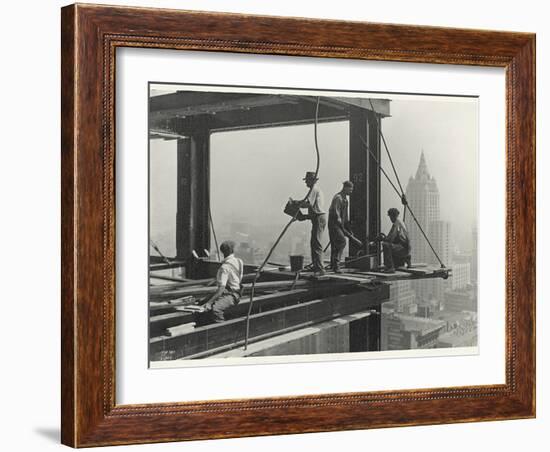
(292, 220)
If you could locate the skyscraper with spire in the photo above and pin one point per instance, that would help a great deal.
(423, 198)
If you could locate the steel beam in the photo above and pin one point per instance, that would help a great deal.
(192, 225)
(373, 171)
(214, 338)
(358, 167)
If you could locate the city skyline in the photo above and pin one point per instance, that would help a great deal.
(432, 313)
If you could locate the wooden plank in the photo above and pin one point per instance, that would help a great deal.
(160, 323)
(232, 332)
(165, 266)
(348, 277)
(416, 271)
(262, 303)
(161, 294)
(389, 276)
(169, 278)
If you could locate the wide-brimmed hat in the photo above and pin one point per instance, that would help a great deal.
(310, 175)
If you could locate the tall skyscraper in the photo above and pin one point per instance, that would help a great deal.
(423, 198)
(440, 237)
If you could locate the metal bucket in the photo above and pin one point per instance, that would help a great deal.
(296, 263)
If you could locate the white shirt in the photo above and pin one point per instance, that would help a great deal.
(315, 200)
(230, 273)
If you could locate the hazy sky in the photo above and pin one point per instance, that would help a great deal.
(253, 173)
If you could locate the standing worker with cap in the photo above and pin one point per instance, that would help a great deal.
(338, 225)
(318, 217)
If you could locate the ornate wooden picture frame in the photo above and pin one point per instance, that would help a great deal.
(90, 37)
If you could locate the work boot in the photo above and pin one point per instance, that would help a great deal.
(319, 272)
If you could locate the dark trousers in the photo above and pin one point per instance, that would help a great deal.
(395, 255)
(318, 225)
(214, 313)
(337, 244)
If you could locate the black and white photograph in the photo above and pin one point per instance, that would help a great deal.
(310, 224)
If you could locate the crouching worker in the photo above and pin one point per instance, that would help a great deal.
(396, 246)
(228, 279)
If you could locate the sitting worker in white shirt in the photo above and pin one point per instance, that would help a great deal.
(228, 279)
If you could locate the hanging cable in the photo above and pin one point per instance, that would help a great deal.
(292, 220)
(213, 232)
(406, 205)
(403, 198)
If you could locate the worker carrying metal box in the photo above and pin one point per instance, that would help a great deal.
(316, 214)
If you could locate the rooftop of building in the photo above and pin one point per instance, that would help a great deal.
(420, 324)
(454, 339)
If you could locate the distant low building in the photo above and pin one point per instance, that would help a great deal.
(402, 296)
(460, 277)
(428, 308)
(404, 332)
(464, 299)
(461, 333)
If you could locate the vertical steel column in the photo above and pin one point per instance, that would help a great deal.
(374, 329)
(358, 335)
(374, 196)
(192, 223)
(200, 145)
(184, 200)
(358, 169)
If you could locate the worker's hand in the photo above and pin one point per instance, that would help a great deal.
(358, 242)
(202, 301)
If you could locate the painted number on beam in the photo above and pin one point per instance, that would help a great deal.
(357, 178)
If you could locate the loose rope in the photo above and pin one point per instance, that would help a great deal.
(213, 231)
(283, 232)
